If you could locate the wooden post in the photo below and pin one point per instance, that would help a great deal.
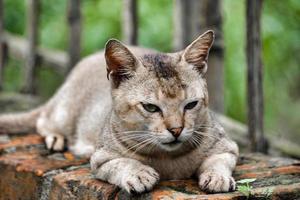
(74, 21)
(191, 18)
(180, 24)
(33, 9)
(2, 54)
(130, 22)
(211, 18)
(255, 75)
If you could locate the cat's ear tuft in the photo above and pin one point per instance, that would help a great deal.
(197, 52)
(121, 63)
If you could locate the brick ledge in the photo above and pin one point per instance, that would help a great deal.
(29, 171)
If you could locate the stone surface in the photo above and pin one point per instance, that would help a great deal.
(29, 171)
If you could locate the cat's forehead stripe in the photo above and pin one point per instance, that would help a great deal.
(161, 64)
(164, 68)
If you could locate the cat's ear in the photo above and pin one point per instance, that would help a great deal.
(197, 52)
(121, 63)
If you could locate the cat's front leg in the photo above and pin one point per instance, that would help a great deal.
(215, 173)
(129, 174)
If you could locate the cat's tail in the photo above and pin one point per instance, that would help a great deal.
(19, 123)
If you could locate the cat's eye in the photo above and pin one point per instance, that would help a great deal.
(190, 105)
(151, 107)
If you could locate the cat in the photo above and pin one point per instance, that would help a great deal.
(149, 122)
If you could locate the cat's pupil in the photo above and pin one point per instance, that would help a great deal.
(190, 105)
(151, 107)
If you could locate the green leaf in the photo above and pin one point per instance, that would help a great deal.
(249, 180)
(244, 189)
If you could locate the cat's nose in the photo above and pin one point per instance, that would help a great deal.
(175, 131)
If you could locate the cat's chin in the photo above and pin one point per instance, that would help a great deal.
(171, 146)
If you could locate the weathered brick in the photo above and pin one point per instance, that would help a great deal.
(18, 185)
(79, 184)
(23, 167)
(264, 166)
(20, 142)
(279, 179)
(29, 171)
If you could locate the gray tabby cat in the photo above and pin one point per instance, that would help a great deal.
(150, 122)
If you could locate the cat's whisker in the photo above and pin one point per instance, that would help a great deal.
(143, 145)
(198, 127)
(197, 139)
(133, 142)
(206, 134)
(204, 126)
(154, 144)
(137, 145)
(118, 140)
(132, 137)
(134, 134)
(192, 142)
(141, 131)
(128, 137)
(218, 138)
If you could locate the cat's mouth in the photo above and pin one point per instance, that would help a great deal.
(171, 146)
(173, 143)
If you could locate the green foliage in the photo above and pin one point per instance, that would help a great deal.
(246, 181)
(281, 44)
(48, 80)
(12, 76)
(235, 59)
(53, 31)
(156, 24)
(244, 186)
(281, 30)
(245, 190)
(101, 21)
(14, 15)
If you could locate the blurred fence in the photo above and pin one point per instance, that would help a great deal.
(191, 17)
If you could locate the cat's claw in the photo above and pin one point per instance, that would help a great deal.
(214, 182)
(55, 142)
(140, 180)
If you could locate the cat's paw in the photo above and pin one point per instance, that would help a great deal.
(55, 142)
(140, 180)
(214, 182)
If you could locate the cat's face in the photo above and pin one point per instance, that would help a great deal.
(159, 98)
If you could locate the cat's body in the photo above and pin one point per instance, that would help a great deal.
(79, 108)
(150, 122)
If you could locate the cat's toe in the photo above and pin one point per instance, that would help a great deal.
(214, 182)
(49, 140)
(59, 143)
(232, 184)
(140, 181)
(55, 142)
